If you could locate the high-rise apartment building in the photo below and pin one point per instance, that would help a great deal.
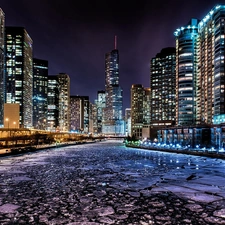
(40, 93)
(93, 118)
(53, 104)
(100, 104)
(2, 59)
(186, 72)
(211, 70)
(140, 110)
(79, 113)
(112, 113)
(200, 69)
(64, 101)
(19, 72)
(128, 121)
(163, 87)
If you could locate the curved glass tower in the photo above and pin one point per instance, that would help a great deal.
(186, 72)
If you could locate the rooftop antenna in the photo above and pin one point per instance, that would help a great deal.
(115, 42)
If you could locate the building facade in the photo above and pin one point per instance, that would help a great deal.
(211, 70)
(79, 114)
(93, 118)
(64, 101)
(112, 113)
(11, 115)
(200, 83)
(2, 59)
(163, 87)
(128, 121)
(19, 72)
(100, 104)
(53, 104)
(140, 111)
(186, 72)
(40, 93)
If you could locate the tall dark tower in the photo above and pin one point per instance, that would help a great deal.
(112, 114)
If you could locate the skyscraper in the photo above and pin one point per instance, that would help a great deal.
(186, 72)
(200, 69)
(40, 93)
(2, 59)
(64, 101)
(128, 121)
(79, 113)
(19, 72)
(210, 85)
(163, 87)
(112, 114)
(53, 103)
(100, 103)
(140, 110)
(93, 118)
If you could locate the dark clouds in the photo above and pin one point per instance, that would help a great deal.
(75, 35)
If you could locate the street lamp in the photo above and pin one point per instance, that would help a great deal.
(7, 120)
(14, 124)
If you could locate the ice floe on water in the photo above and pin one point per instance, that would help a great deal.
(106, 183)
(8, 208)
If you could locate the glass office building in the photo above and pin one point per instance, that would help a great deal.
(140, 110)
(79, 114)
(53, 104)
(40, 92)
(186, 72)
(64, 101)
(112, 113)
(19, 72)
(163, 87)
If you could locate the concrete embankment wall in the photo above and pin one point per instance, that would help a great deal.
(206, 153)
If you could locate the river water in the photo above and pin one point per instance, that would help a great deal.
(107, 183)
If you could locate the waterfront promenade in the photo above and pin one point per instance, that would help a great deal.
(190, 151)
(108, 183)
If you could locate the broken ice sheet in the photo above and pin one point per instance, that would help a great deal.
(8, 208)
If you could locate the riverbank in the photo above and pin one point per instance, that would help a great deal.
(33, 148)
(206, 153)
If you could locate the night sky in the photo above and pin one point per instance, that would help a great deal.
(75, 35)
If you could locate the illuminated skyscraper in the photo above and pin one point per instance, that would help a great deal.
(200, 69)
(140, 111)
(163, 87)
(19, 72)
(2, 58)
(53, 103)
(128, 121)
(112, 114)
(100, 103)
(211, 68)
(40, 92)
(93, 118)
(79, 113)
(64, 101)
(186, 72)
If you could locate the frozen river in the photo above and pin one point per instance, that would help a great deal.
(107, 183)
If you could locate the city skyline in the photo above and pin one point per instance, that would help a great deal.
(74, 39)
